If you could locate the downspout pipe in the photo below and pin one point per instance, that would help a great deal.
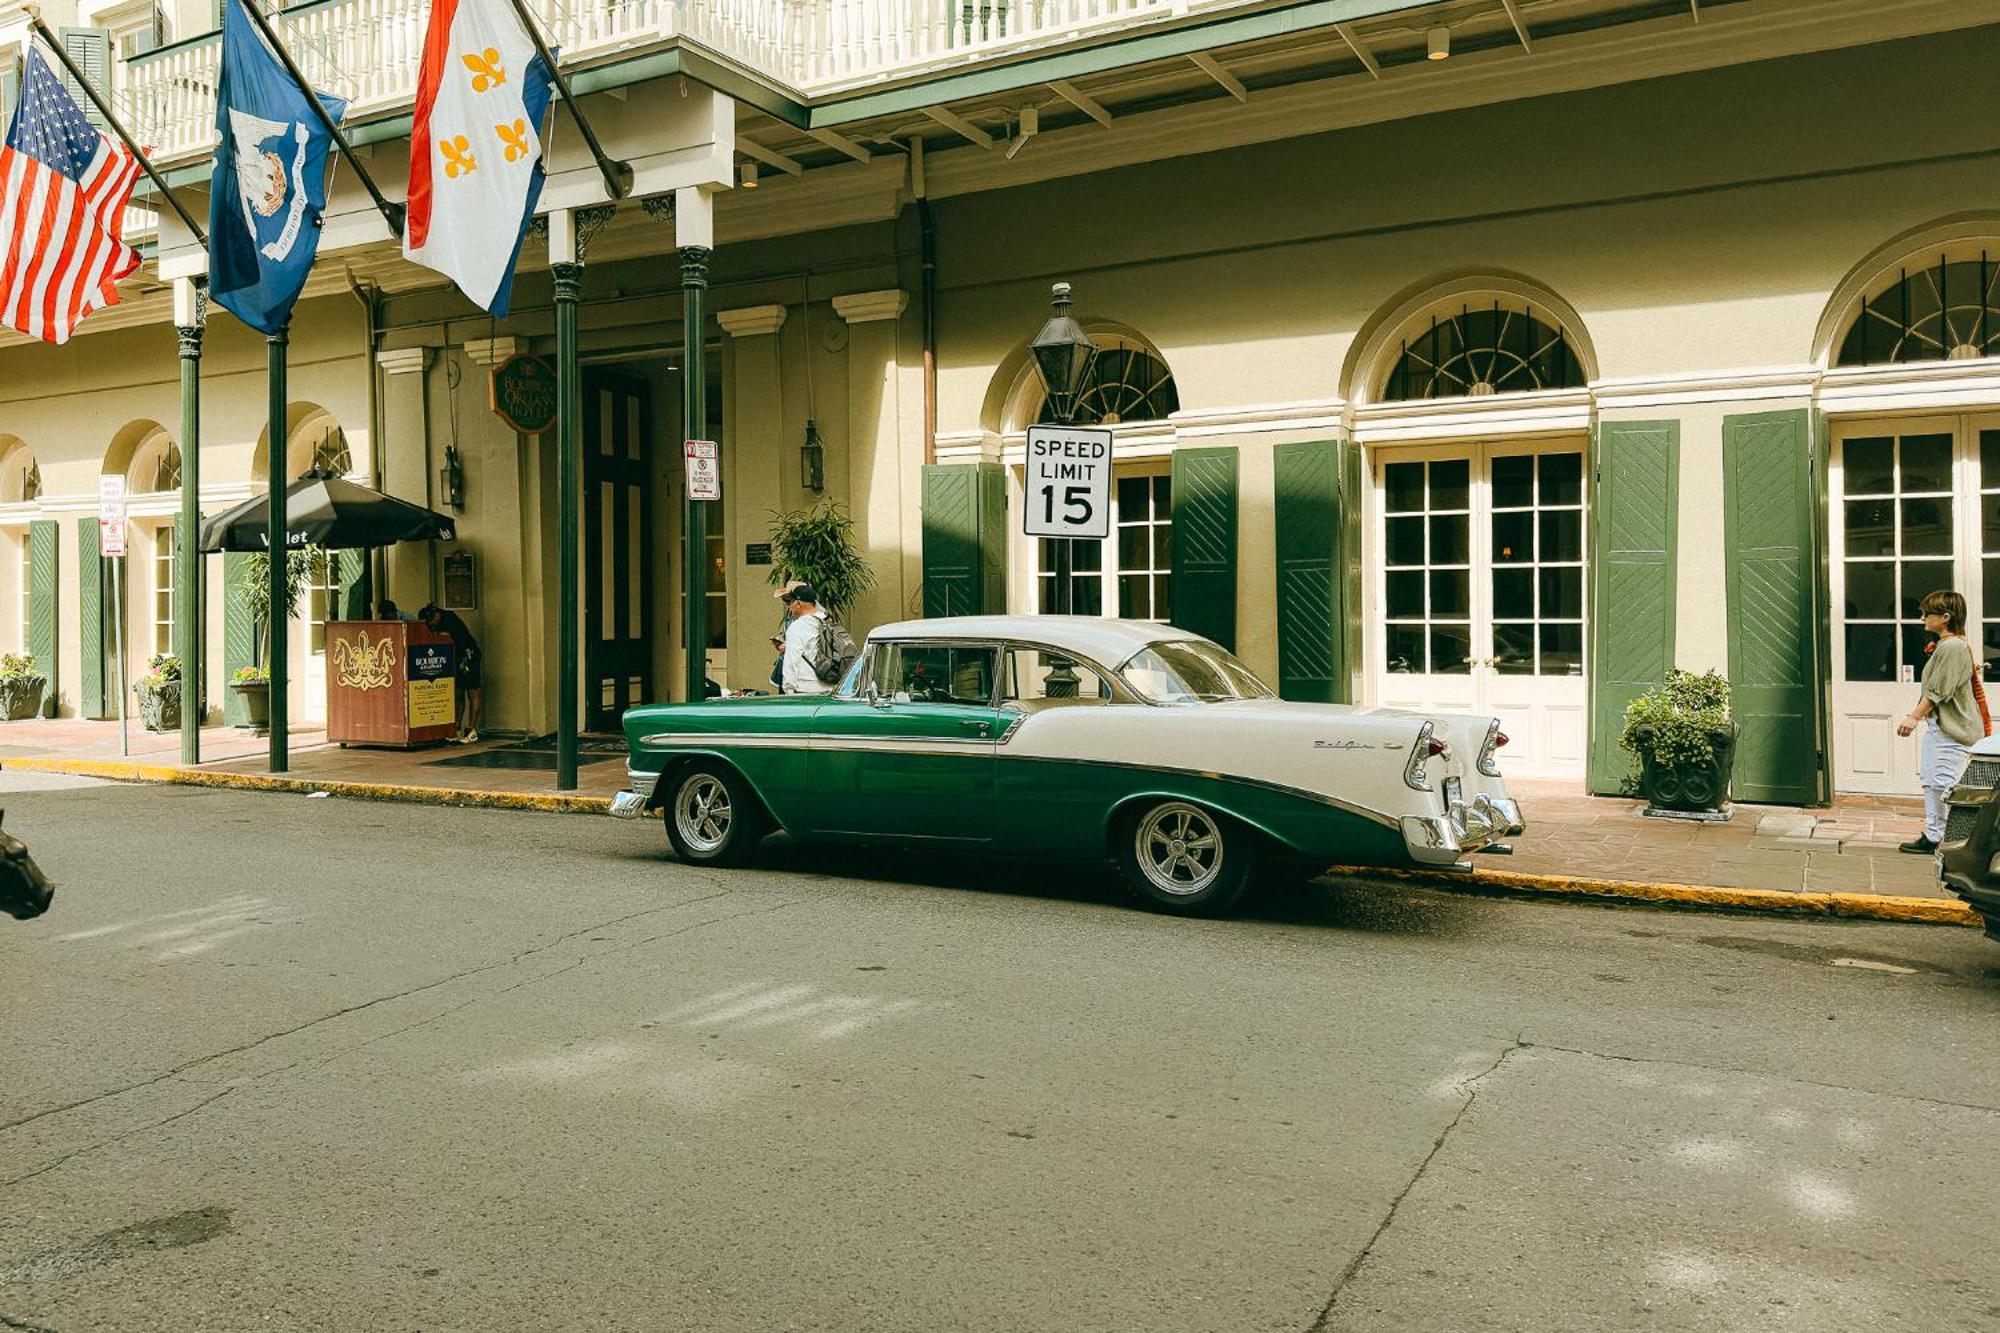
(370, 298)
(927, 299)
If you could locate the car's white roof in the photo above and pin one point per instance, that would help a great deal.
(1108, 642)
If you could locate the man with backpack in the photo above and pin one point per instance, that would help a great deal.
(818, 650)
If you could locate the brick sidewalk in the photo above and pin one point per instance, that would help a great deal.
(1847, 848)
(312, 757)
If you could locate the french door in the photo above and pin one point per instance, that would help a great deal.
(1480, 588)
(617, 546)
(1916, 507)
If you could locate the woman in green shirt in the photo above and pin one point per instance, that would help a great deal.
(1952, 711)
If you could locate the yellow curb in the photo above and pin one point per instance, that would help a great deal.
(123, 771)
(1863, 906)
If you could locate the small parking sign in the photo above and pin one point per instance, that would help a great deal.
(1069, 482)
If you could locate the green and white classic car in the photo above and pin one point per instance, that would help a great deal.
(1074, 738)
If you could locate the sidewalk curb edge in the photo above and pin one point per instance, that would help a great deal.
(121, 771)
(1854, 906)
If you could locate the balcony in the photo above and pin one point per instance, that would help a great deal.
(368, 50)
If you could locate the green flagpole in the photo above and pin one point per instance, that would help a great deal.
(278, 622)
(190, 309)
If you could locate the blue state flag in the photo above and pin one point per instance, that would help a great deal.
(269, 189)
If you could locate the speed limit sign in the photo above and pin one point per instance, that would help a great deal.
(1069, 482)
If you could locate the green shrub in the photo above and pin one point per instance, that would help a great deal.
(817, 545)
(1681, 715)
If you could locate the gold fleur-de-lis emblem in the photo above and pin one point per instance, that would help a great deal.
(458, 159)
(486, 70)
(515, 138)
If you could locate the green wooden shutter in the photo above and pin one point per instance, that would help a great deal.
(92, 610)
(351, 573)
(1204, 586)
(44, 611)
(1634, 511)
(1772, 551)
(965, 539)
(90, 48)
(239, 633)
(1316, 510)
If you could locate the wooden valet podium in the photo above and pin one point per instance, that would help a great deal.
(391, 683)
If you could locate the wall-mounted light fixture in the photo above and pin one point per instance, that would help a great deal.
(451, 478)
(1438, 42)
(812, 460)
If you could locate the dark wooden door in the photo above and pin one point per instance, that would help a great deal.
(617, 546)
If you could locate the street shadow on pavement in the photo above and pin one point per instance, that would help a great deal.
(1339, 904)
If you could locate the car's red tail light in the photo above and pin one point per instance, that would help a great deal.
(1499, 739)
(1435, 746)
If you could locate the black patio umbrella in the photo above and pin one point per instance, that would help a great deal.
(328, 512)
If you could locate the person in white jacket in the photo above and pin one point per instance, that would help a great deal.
(801, 641)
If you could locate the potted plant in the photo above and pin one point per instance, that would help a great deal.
(817, 546)
(1686, 742)
(21, 686)
(159, 693)
(252, 684)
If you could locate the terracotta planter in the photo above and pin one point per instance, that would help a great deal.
(1688, 789)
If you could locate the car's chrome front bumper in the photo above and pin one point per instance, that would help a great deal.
(632, 802)
(1465, 827)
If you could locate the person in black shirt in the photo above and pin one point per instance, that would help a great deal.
(448, 623)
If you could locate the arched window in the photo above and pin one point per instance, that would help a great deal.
(20, 475)
(156, 466)
(325, 450)
(1482, 350)
(1128, 383)
(1943, 311)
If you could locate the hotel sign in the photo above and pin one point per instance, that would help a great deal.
(522, 392)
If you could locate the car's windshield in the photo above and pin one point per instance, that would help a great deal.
(1189, 671)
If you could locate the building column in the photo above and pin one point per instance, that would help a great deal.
(752, 481)
(406, 467)
(499, 526)
(885, 466)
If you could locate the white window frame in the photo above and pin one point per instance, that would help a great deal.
(165, 594)
(1109, 568)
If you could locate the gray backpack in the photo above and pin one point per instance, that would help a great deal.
(833, 651)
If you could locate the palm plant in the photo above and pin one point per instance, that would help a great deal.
(817, 546)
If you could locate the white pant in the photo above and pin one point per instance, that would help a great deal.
(1940, 761)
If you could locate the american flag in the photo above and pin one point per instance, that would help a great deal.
(63, 187)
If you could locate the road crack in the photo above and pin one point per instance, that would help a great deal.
(1758, 1073)
(1470, 1087)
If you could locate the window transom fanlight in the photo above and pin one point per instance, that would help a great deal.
(158, 467)
(31, 481)
(1483, 351)
(330, 454)
(1942, 312)
(1127, 383)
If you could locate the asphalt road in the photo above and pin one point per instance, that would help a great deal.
(277, 1062)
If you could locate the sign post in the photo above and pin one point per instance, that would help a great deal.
(111, 543)
(1068, 496)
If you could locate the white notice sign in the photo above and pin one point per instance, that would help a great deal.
(1069, 482)
(111, 514)
(704, 470)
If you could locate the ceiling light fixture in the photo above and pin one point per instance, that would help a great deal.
(1439, 42)
(747, 175)
(1031, 125)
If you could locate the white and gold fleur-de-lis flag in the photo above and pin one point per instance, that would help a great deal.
(476, 147)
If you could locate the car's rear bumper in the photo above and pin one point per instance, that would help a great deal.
(1465, 827)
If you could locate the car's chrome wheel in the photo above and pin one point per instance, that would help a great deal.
(703, 813)
(1179, 848)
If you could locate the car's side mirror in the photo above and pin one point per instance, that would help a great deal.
(875, 700)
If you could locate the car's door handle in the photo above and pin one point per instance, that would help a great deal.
(976, 726)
